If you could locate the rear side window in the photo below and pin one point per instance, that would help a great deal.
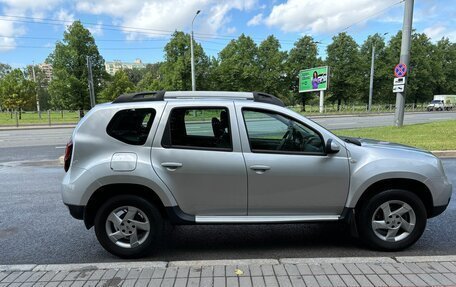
(131, 126)
(198, 128)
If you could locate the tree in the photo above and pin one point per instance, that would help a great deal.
(151, 79)
(119, 84)
(443, 59)
(135, 75)
(16, 91)
(176, 69)
(42, 84)
(302, 56)
(420, 73)
(271, 62)
(344, 61)
(4, 69)
(69, 88)
(238, 68)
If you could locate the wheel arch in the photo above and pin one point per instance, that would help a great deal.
(108, 191)
(412, 185)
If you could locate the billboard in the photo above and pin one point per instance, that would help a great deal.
(314, 79)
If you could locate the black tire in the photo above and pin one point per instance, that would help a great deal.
(366, 216)
(149, 210)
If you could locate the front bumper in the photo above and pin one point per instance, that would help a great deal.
(76, 211)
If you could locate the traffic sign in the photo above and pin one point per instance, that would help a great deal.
(398, 88)
(400, 70)
(399, 81)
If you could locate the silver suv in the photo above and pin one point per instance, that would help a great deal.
(239, 158)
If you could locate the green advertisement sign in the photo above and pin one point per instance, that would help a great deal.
(314, 79)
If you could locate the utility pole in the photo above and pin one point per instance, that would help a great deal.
(90, 80)
(371, 83)
(38, 109)
(404, 59)
(192, 56)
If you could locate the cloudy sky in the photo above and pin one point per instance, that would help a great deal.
(129, 29)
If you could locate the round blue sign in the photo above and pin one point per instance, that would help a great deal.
(400, 70)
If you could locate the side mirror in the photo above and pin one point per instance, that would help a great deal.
(332, 147)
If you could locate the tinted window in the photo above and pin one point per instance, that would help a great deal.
(205, 128)
(131, 126)
(272, 132)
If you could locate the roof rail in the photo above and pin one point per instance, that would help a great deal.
(141, 97)
(267, 98)
(162, 95)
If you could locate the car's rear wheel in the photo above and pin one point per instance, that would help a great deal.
(392, 220)
(128, 226)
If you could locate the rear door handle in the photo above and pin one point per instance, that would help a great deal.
(260, 168)
(171, 166)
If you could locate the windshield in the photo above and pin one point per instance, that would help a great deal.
(436, 102)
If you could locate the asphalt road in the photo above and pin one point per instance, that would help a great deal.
(35, 227)
(60, 136)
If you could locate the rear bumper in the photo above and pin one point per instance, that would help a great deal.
(76, 211)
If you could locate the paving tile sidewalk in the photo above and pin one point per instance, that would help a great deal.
(381, 271)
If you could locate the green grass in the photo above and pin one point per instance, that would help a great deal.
(33, 118)
(439, 135)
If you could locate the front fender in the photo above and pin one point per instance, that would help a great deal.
(367, 174)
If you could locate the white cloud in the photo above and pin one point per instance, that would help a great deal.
(438, 31)
(256, 20)
(36, 8)
(231, 30)
(20, 8)
(96, 30)
(7, 43)
(157, 18)
(64, 15)
(322, 16)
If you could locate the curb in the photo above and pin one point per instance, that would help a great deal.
(201, 263)
(25, 128)
(444, 153)
(240, 262)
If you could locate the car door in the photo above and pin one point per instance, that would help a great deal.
(289, 172)
(198, 156)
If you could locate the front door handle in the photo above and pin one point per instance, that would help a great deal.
(171, 166)
(260, 168)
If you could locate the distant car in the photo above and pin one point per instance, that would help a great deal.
(436, 105)
(442, 103)
(239, 158)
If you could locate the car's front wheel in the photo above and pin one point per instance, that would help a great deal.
(392, 220)
(128, 226)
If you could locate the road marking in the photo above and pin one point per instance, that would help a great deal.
(58, 147)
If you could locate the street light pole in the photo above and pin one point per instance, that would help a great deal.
(371, 83)
(192, 56)
(38, 109)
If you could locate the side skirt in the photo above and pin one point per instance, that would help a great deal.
(178, 217)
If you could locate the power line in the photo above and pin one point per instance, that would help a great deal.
(98, 40)
(46, 47)
(145, 31)
(110, 27)
(373, 15)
